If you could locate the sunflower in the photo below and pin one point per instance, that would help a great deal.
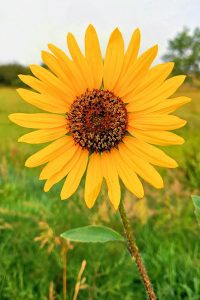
(103, 118)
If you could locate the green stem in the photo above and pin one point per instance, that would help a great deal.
(133, 249)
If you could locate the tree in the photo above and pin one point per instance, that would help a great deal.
(9, 74)
(184, 50)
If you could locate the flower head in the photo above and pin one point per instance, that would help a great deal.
(104, 116)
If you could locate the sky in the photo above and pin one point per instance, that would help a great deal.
(27, 26)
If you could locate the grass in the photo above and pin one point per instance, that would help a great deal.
(164, 224)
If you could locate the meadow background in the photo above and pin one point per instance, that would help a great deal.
(32, 255)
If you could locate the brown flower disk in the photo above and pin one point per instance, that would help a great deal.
(97, 120)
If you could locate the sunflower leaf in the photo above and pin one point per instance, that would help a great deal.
(92, 234)
(196, 202)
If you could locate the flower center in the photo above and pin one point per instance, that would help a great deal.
(97, 120)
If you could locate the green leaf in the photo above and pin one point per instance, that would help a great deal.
(92, 234)
(196, 202)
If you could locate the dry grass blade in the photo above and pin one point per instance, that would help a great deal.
(51, 291)
(80, 282)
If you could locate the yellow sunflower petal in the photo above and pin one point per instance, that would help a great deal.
(38, 120)
(34, 83)
(63, 172)
(144, 101)
(111, 176)
(131, 52)
(141, 167)
(93, 55)
(153, 79)
(43, 135)
(163, 138)
(113, 61)
(49, 94)
(155, 76)
(48, 78)
(128, 176)
(93, 180)
(149, 153)
(44, 102)
(80, 60)
(134, 74)
(167, 106)
(48, 153)
(74, 177)
(57, 177)
(157, 122)
(53, 64)
(70, 69)
(56, 164)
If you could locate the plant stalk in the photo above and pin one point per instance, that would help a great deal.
(134, 251)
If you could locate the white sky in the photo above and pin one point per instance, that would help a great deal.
(27, 26)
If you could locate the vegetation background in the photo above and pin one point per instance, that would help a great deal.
(31, 253)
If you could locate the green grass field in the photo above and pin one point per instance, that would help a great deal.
(164, 223)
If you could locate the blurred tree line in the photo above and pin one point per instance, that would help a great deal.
(183, 49)
(9, 74)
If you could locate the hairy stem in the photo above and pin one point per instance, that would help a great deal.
(133, 249)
